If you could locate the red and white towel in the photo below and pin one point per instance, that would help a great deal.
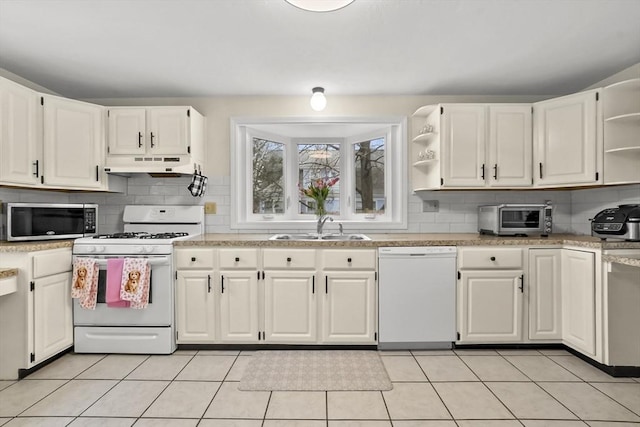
(114, 281)
(84, 284)
(134, 286)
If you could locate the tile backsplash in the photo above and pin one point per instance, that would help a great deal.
(457, 211)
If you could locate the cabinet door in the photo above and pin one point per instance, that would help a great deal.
(565, 140)
(53, 324)
(168, 130)
(349, 307)
(545, 308)
(463, 145)
(195, 308)
(290, 306)
(73, 144)
(578, 300)
(20, 161)
(490, 306)
(510, 146)
(238, 306)
(126, 130)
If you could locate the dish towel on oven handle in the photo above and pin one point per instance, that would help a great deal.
(114, 281)
(84, 283)
(134, 286)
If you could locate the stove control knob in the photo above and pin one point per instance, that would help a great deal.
(138, 249)
(99, 248)
(91, 248)
(149, 249)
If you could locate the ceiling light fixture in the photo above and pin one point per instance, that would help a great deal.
(320, 5)
(318, 100)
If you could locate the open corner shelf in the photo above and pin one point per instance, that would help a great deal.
(423, 137)
(424, 111)
(423, 163)
(632, 117)
(625, 150)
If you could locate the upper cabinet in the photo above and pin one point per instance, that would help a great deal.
(154, 139)
(72, 143)
(20, 159)
(621, 111)
(472, 146)
(567, 149)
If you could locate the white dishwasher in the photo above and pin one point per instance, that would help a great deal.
(417, 297)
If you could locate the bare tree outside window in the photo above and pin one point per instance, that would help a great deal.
(369, 172)
(319, 161)
(268, 176)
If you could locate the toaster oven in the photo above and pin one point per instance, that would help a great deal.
(510, 219)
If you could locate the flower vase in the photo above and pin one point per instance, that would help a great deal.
(320, 208)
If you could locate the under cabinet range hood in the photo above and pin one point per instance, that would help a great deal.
(154, 165)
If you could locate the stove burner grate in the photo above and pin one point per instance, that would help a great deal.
(141, 235)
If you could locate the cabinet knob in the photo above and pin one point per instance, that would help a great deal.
(492, 258)
(349, 260)
(237, 259)
(288, 259)
(193, 259)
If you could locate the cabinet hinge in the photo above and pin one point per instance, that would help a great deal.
(458, 335)
(32, 357)
(441, 110)
(258, 335)
(597, 176)
(108, 149)
(375, 276)
(176, 274)
(459, 275)
(176, 335)
(188, 113)
(597, 96)
(32, 286)
(42, 100)
(189, 149)
(41, 179)
(375, 336)
(258, 274)
(108, 113)
(441, 181)
(262, 274)
(532, 109)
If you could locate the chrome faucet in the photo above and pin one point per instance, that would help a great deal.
(321, 220)
(340, 228)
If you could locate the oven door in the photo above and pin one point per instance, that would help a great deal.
(159, 312)
(521, 220)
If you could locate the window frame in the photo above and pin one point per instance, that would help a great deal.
(244, 129)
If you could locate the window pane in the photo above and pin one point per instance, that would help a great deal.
(319, 161)
(268, 176)
(369, 173)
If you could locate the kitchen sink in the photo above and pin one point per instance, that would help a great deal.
(327, 237)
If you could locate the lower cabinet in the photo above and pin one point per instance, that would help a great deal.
(349, 307)
(36, 321)
(276, 295)
(579, 300)
(195, 307)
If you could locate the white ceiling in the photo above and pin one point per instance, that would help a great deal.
(151, 48)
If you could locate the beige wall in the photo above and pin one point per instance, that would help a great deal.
(218, 111)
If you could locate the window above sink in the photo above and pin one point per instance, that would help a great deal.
(272, 158)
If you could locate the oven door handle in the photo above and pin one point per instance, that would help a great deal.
(152, 261)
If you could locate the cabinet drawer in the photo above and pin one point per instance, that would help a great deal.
(195, 258)
(51, 262)
(289, 258)
(238, 258)
(490, 257)
(345, 259)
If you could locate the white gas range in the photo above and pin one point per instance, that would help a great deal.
(149, 232)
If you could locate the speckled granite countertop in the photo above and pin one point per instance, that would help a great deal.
(407, 239)
(34, 246)
(8, 272)
(632, 260)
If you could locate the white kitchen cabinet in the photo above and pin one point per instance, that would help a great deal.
(20, 144)
(490, 295)
(621, 111)
(579, 300)
(238, 297)
(472, 146)
(290, 307)
(36, 320)
(154, 139)
(195, 307)
(290, 302)
(349, 304)
(545, 296)
(510, 146)
(567, 147)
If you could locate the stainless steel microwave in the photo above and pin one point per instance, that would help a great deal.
(47, 221)
(515, 219)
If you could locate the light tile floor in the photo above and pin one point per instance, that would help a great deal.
(461, 388)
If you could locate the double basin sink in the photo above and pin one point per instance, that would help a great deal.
(310, 237)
